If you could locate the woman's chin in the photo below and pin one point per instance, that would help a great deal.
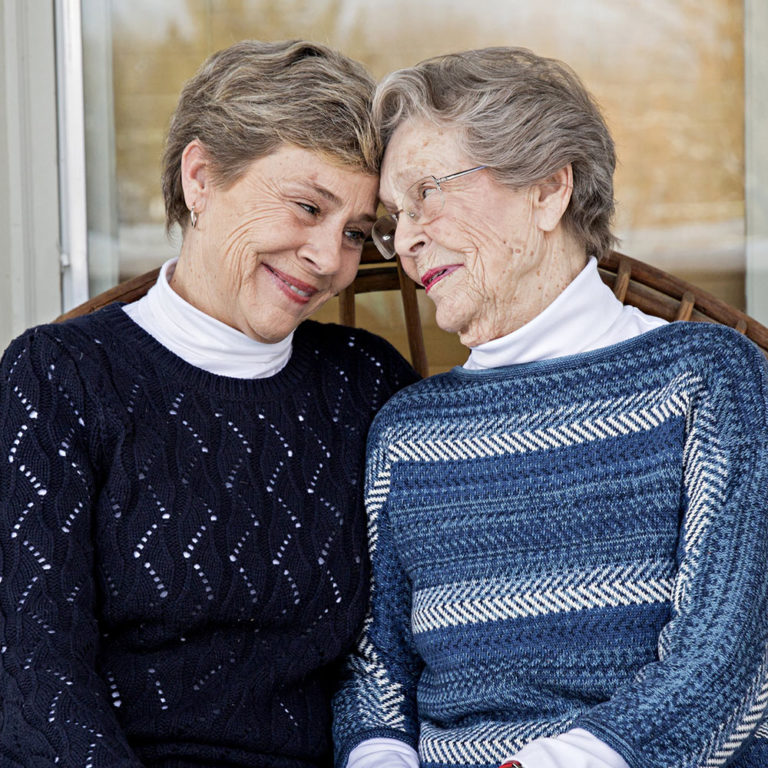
(447, 324)
(448, 316)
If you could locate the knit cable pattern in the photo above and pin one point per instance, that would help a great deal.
(182, 555)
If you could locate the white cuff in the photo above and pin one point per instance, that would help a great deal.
(383, 753)
(575, 749)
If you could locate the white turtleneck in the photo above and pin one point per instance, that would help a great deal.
(200, 339)
(585, 316)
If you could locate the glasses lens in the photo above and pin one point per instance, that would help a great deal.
(383, 235)
(423, 200)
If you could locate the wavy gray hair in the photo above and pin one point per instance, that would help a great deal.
(522, 115)
(250, 98)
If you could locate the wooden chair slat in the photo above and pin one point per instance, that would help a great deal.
(413, 322)
(347, 306)
(620, 285)
(685, 310)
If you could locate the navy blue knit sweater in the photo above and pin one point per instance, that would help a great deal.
(182, 554)
(577, 542)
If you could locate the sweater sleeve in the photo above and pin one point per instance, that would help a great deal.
(55, 708)
(702, 700)
(376, 697)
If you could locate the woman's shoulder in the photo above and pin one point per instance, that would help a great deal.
(704, 338)
(84, 356)
(78, 333)
(49, 343)
(711, 350)
(724, 360)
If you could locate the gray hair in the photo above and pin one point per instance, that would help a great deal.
(252, 97)
(522, 115)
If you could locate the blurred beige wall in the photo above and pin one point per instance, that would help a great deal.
(669, 75)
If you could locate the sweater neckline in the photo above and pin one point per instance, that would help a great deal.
(569, 362)
(129, 334)
(202, 340)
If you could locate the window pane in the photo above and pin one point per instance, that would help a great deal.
(669, 76)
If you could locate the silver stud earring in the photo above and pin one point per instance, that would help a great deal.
(193, 216)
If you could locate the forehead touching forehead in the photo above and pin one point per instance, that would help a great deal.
(419, 148)
(339, 185)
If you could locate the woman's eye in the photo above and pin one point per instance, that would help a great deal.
(312, 210)
(355, 236)
(424, 189)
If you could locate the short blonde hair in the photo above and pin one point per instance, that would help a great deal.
(522, 115)
(252, 97)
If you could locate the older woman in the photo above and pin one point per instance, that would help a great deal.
(569, 533)
(182, 541)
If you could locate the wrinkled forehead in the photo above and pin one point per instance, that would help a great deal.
(419, 148)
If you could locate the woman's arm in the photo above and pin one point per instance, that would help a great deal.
(55, 707)
(377, 697)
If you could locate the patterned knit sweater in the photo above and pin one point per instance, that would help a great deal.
(182, 554)
(573, 543)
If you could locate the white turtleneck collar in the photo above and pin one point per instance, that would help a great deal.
(200, 339)
(585, 316)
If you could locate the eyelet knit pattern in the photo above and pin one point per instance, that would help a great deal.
(577, 542)
(182, 554)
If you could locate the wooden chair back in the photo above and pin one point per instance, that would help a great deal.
(659, 293)
(633, 282)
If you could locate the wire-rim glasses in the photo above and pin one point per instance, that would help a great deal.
(422, 203)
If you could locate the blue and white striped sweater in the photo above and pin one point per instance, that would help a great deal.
(579, 542)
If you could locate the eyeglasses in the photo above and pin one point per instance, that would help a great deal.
(422, 203)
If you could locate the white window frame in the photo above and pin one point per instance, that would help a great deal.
(30, 285)
(756, 156)
(72, 172)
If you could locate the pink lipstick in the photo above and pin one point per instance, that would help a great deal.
(433, 276)
(296, 290)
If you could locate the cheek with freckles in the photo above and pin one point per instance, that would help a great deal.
(491, 255)
(249, 236)
(482, 298)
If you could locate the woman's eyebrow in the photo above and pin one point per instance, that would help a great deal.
(332, 197)
(325, 192)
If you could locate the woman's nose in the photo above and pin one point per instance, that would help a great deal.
(323, 250)
(409, 235)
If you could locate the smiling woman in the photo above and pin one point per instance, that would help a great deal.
(567, 534)
(183, 548)
(480, 260)
(273, 247)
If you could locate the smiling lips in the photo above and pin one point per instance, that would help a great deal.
(293, 288)
(433, 276)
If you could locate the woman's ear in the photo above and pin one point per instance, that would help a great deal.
(551, 198)
(195, 175)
